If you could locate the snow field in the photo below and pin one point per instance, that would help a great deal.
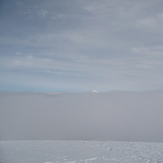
(80, 152)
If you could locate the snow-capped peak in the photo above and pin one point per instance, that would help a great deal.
(94, 91)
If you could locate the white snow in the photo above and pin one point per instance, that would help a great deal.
(80, 152)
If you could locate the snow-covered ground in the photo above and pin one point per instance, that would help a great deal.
(79, 151)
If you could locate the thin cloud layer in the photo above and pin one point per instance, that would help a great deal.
(107, 45)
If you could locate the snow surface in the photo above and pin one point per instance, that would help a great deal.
(80, 151)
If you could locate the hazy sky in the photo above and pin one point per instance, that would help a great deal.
(79, 45)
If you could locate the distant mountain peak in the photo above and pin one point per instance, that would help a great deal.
(94, 91)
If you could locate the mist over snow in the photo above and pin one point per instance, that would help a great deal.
(118, 116)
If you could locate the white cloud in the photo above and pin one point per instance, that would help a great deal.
(153, 24)
(42, 13)
(152, 51)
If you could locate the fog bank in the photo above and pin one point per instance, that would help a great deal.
(116, 116)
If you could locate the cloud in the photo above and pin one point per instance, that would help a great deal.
(152, 24)
(151, 57)
(43, 13)
(106, 40)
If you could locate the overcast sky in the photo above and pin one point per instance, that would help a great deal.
(79, 45)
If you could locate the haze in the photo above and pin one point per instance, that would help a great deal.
(117, 116)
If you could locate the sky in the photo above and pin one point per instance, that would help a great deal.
(80, 45)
